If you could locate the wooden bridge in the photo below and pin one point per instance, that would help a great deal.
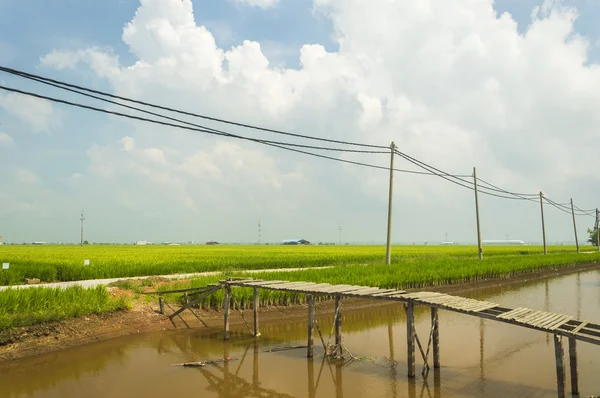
(560, 326)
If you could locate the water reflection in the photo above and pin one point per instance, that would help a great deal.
(479, 358)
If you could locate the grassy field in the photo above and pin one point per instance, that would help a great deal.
(420, 263)
(413, 267)
(23, 307)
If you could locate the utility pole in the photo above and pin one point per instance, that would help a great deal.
(479, 250)
(543, 223)
(574, 225)
(388, 249)
(259, 230)
(597, 229)
(340, 229)
(82, 219)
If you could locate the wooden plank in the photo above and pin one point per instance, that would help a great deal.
(581, 326)
(422, 295)
(364, 292)
(561, 321)
(320, 287)
(287, 285)
(337, 288)
(539, 319)
(263, 283)
(532, 317)
(549, 321)
(309, 288)
(385, 294)
(513, 313)
(486, 306)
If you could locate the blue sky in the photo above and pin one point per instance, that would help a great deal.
(49, 161)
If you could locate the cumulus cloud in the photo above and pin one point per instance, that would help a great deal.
(451, 82)
(37, 113)
(259, 3)
(25, 176)
(6, 140)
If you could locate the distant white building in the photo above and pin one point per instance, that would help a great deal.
(142, 242)
(504, 242)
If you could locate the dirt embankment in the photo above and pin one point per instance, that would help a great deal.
(144, 317)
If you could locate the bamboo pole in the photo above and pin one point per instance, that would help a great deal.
(311, 324)
(560, 365)
(573, 365)
(255, 310)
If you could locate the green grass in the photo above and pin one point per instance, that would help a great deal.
(23, 307)
(65, 263)
(414, 271)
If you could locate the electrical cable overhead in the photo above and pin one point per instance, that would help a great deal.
(214, 119)
(269, 143)
(486, 188)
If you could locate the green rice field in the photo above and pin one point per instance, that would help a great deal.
(23, 307)
(412, 265)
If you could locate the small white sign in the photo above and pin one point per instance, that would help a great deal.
(5, 265)
(86, 262)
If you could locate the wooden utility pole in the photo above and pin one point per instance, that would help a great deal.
(388, 249)
(82, 219)
(574, 225)
(543, 224)
(597, 229)
(479, 249)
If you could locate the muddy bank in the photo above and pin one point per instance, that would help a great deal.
(144, 318)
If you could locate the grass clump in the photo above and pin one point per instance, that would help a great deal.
(24, 307)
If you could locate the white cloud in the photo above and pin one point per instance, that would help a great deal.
(25, 176)
(39, 114)
(6, 141)
(259, 3)
(450, 82)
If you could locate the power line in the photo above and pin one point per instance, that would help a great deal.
(214, 119)
(204, 128)
(276, 145)
(498, 189)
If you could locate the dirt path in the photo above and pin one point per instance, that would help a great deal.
(144, 317)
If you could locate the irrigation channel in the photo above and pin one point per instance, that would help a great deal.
(479, 357)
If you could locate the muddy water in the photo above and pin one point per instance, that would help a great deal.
(479, 358)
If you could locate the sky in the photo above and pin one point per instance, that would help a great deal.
(511, 87)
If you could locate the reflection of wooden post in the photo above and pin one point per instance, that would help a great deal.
(255, 364)
(311, 323)
(256, 333)
(161, 305)
(338, 327)
(311, 378)
(573, 364)
(226, 312)
(339, 386)
(435, 337)
(410, 338)
(226, 381)
(560, 365)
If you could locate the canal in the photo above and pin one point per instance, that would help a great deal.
(478, 357)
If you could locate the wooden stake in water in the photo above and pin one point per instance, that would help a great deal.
(574, 226)
(226, 305)
(560, 365)
(435, 337)
(573, 365)
(311, 323)
(479, 249)
(255, 310)
(410, 338)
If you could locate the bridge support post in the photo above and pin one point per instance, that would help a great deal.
(255, 310)
(161, 305)
(560, 365)
(573, 365)
(410, 337)
(435, 325)
(338, 327)
(226, 306)
(311, 324)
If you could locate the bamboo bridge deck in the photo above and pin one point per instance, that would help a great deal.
(559, 325)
